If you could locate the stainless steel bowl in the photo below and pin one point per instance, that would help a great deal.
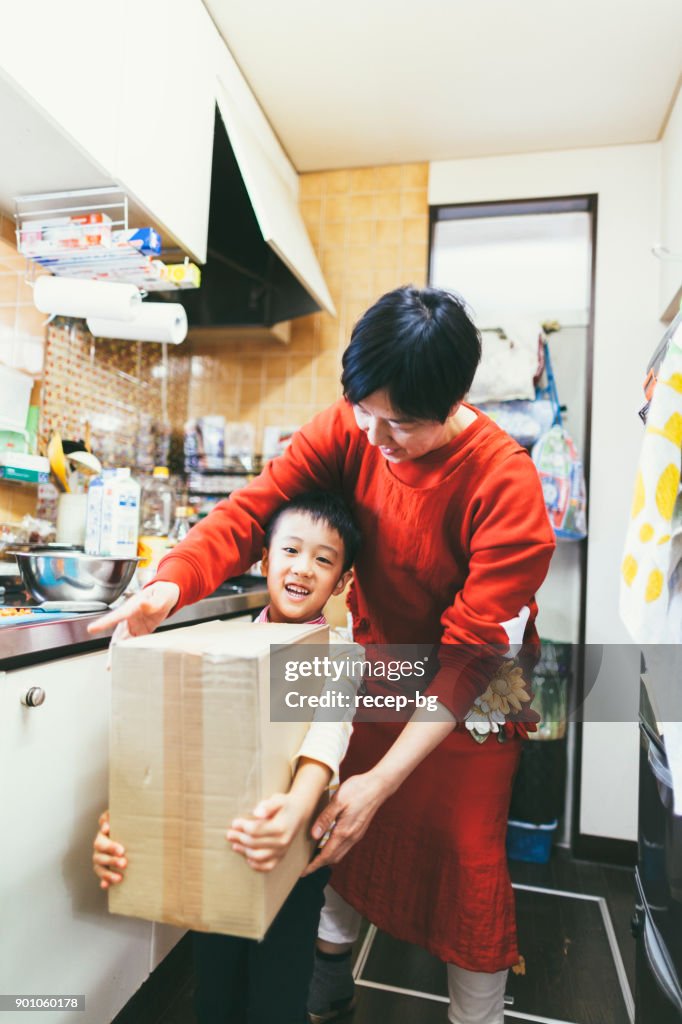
(74, 576)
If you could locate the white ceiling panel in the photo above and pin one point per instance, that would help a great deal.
(369, 82)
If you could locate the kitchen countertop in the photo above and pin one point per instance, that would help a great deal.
(31, 642)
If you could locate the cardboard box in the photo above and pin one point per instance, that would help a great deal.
(192, 746)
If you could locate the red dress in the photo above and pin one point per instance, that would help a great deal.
(454, 546)
(432, 867)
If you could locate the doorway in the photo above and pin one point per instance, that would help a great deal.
(533, 261)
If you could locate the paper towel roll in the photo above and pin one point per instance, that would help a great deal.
(69, 296)
(154, 321)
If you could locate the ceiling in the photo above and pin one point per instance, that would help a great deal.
(370, 82)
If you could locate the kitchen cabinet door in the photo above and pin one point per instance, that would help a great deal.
(166, 115)
(164, 938)
(57, 936)
(63, 57)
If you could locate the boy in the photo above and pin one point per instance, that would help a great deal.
(310, 545)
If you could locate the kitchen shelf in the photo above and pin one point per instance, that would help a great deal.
(229, 469)
(223, 483)
(209, 494)
(48, 235)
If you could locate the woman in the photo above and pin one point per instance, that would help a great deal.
(456, 541)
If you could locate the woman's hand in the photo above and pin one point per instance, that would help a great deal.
(350, 812)
(108, 857)
(348, 815)
(141, 614)
(265, 838)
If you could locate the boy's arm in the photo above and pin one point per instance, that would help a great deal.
(317, 761)
(265, 838)
(330, 731)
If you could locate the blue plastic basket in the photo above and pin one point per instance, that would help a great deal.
(531, 843)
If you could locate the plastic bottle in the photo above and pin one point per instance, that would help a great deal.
(157, 504)
(156, 511)
(182, 524)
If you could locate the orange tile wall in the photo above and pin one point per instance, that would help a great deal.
(369, 227)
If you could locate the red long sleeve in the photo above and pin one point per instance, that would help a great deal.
(511, 547)
(230, 539)
(454, 545)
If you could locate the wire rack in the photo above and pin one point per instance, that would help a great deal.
(85, 234)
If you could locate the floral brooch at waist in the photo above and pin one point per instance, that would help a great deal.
(506, 694)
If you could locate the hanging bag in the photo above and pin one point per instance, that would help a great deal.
(563, 483)
(560, 469)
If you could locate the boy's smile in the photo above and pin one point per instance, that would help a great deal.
(304, 567)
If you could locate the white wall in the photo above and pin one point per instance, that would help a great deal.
(671, 203)
(627, 180)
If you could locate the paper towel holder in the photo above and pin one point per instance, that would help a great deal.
(160, 322)
(83, 297)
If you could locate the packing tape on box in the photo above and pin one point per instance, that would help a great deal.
(64, 296)
(183, 716)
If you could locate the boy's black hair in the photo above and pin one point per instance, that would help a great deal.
(325, 507)
(420, 345)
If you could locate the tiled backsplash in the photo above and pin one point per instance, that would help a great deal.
(116, 387)
(369, 228)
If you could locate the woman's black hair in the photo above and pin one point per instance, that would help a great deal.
(420, 345)
(325, 507)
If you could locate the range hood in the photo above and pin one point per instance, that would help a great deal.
(261, 270)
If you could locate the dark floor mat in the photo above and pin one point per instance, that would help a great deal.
(377, 1005)
(570, 971)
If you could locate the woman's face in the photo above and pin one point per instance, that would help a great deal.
(400, 437)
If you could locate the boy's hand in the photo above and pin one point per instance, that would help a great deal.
(108, 857)
(265, 838)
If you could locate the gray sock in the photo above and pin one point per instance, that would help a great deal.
(332, 985)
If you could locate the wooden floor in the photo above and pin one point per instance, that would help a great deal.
(578, 952)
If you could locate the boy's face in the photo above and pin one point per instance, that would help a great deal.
(304, 568)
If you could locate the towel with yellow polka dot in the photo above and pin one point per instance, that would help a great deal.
(651, 572)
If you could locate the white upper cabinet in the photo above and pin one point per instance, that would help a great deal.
(62, 56)
(130, 88)
(96, 94)
(166, 114)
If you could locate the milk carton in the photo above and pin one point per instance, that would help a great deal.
(120, 514)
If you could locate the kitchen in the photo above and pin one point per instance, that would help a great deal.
(366, 214)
